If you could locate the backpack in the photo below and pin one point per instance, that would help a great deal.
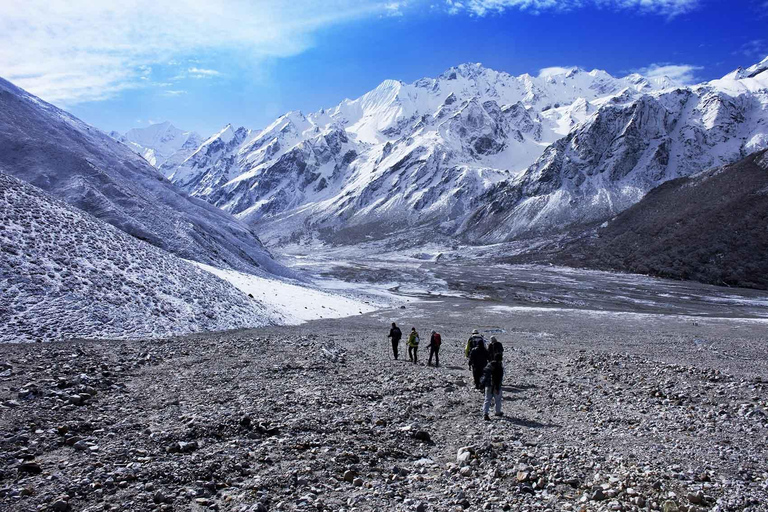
(495, 348)
(476, 340)
(478, 356)
(436, 339)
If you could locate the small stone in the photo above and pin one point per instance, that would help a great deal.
(464, 454)
(598, 495)
(465, 471)
(349, 475)
(522, 476)
(76, 400)
(421, 507)
(669, 506)
(60, 506)
(32, 468)
(357, 482)
(697, 498)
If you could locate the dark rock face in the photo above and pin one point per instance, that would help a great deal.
(709, 227)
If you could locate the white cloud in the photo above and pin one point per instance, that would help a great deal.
(681, 73)
(669, 8)
(202, 72)
(71, 51)
(555, 70)
(173, 92)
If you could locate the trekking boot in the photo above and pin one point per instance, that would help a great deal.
(499, 414)
(486, 417)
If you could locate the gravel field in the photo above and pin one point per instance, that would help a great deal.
(603, 411)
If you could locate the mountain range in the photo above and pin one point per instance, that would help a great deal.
(474, 154)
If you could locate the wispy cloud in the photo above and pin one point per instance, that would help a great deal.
(668, 8)
(203, 73)
(173, 92)
(71, 51)
(681, 73)
(754, 49)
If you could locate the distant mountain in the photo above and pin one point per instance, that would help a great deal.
(710, 227)
(398, 156)
(65, 274)
(60, 154)
(161, 144)
(624, 149)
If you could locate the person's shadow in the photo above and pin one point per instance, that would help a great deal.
(522, 422)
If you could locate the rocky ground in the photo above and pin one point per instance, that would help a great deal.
(602, 412)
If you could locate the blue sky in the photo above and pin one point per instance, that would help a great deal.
(202, 64)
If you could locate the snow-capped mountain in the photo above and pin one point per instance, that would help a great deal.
(211, 165)
(399, 155)
(477, 152)
(626, 148)
(60, 154)
(161, 144)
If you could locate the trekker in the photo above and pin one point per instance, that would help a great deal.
(493, 375)
(434, 348)
(395, 333)
(473, 341)
(413, 345)
(478, 358)
(494, 347)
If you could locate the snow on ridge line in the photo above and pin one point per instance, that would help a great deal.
(288, 303)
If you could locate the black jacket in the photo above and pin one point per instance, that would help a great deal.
(493, 375)
(395, 333)
(478, 356)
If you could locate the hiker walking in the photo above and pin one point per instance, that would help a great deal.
(434, 348)
(494, 347)
(413, 345)
(477, 356)
(395, 333)
(493, 375)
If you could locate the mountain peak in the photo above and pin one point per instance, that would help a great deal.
(466, 70)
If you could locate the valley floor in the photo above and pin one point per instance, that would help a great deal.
(603, 411)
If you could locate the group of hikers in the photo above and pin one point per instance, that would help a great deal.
(484, 359)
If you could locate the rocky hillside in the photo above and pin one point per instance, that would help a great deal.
(66, 274)
(710, 227)
(60, 154)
